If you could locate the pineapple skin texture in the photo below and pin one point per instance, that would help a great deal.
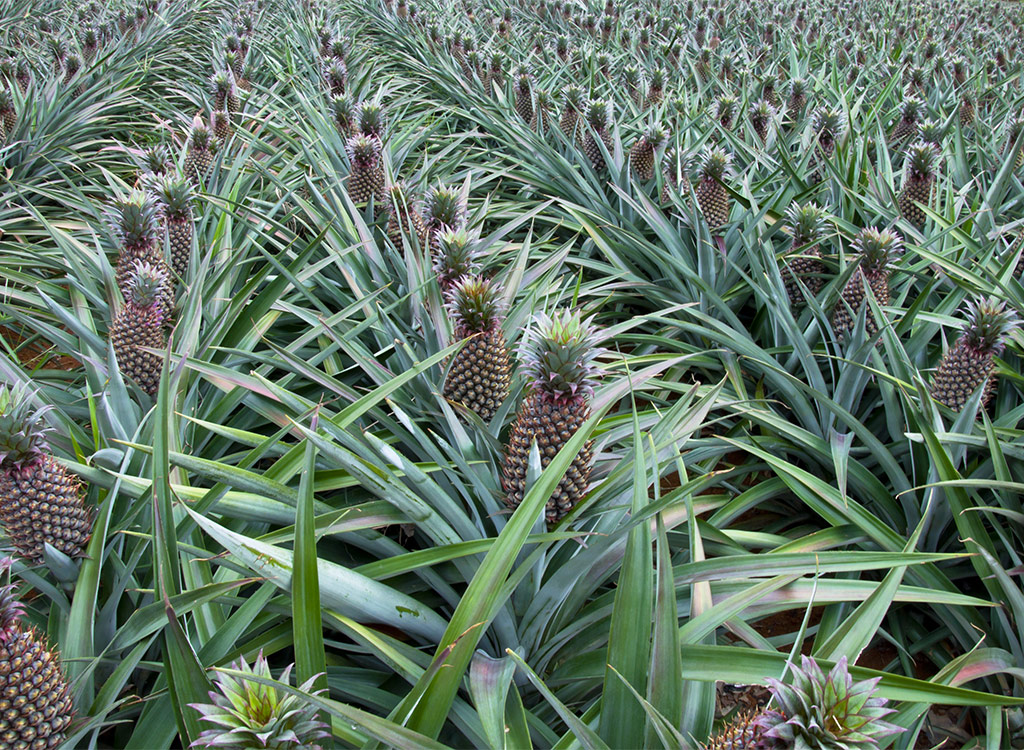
(960, 373)
(41, 502)
(35, 700)
(479, 374)
(551, 424)
(135, 327)
(713, 202)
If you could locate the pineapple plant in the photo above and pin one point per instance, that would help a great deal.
(249, 715)
(524, 96)
(139, 324)
(911, 111)
(40, 501)
(712, 197)
(641, 156)
(175, 196)
(403, 217)
(599, 116)
(495, 73)
(478, 376)
(35, 697)
(557, 356)
(806, 224)
(634, 84)
(135, 222)
(366, 178)
(828, 127)
(761, 117)
(918, 182)
(968, 365)
(815, 712)
(454, 254)
(876, 250)
(198, 151)
(797, 99)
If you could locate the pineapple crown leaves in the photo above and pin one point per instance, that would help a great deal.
(877, 248)
(921, 158)
(135, 220)
(573, 96)
(22, 431)
(249, 715)
(154, 160)
(599, 114)
(828, 123)
(714, 163)
(7, 102)
(475, 306)
(456, 256)
(200, 137)
(336, 73)
(222, 83)
(725, 106)
(656, 135)
(175, 195)
(370, 117)
(989, 322)
(524, 82)
(558, 354)
(343, 109)
(805, 222)
(798, 88)
(912, 109)
(362, 149)
(763, 110)
(657, 79)
(631, 75)
(11, 610)
(827, 711)
(444, 207)
(931, 131)
(147, 284)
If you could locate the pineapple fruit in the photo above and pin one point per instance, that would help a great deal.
(876, 251)
(454, 256)
(40, 502)
(175, 196)
(571, 111)
(135, 221)
(478, 376)
(366, 179)
(248, 715)
(761, 117)
(199, 151)
(443, 212)
(139, 324)
(524, 96)
(911, 112)
(806, 223)
(558, 358)
(36, 706)
(969, 363)
(1013, 131)
(641, 156)
(918, 183)
(712, 197)
(599, 116)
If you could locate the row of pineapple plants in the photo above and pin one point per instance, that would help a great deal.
(362, 218)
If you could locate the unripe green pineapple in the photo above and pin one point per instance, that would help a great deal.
(806, 224)
(641, 156)
(221, 122)
(524, 96)
(599, 115)
(542, 112)
(761, 117)
(139, 324)
(828, 125)
(1013, 131)
(876, 251)
(478, 376)
(969, 363)
(135, 221)
(571, 111)
(712, 197)
(199, 151)
(249, 715)
(404, 218)
(36, 706)
(343, 112)
(911, 112)
(175, 196)
(918, 181)
(656, 88)
(967, 110)
(444, 211)
(454, 253)
(557, 356)
(725, 110)
(366, 179)
(40, 502)
(496, 73)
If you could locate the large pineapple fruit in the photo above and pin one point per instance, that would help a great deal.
(876, 251)
(140, 325)
(969, 363)
(478, 376)
(558, 358)
(641, 156)
(40, 502)
(248, 715)
(712, 197)
(199, 151)
(35, 699)
(366, 180)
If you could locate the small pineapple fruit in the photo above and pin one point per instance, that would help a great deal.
(248, 715)
(634, 84)
(761, 117)
(806, 223)
(969, 363)
(454, 257)
(656, 88)
(1013, 131)
(199, 151)
(478, 376)
(828, 128)
(403, 216)
(558, 358)
(135, 221)
(336, 77)
(821, 712)
(443, 211)
(175, 195)
(712, 197)
(746, 731)
(725, 110)
(34, 693)
(8, 116)
(571, 111)
(40, 502)
(911, 111)
(221, 122)
(599, 115)
(797, 99)
(966, 111)
(641, 156)
(524, 96)
(876, 251)
(366, 179)
(225, 92)
(139, 324)
(918, 181)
